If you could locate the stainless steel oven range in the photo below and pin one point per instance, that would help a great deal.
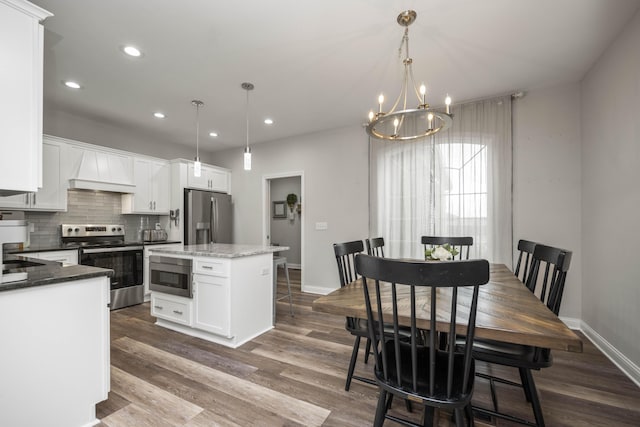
(104, 246)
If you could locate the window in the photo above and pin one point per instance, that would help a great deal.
(457, 183)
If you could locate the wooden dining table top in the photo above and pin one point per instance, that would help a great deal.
(507, 310)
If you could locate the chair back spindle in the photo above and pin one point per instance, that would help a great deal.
(375, 247)
(526, 249)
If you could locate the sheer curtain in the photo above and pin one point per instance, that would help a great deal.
(456, 183)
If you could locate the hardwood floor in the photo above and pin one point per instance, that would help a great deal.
(294, 376)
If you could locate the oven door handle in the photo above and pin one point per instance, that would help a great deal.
(107, 250)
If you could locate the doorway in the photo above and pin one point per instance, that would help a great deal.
(283, 225)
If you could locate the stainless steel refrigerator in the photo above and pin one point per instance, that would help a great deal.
(207, 217)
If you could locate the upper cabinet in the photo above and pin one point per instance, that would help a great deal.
(212, 178)
(21, 53)
(151, 196)
(53, 194)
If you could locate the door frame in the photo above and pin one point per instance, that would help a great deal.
(266, 213)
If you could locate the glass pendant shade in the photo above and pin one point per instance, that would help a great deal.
(197, 168)
(247, 159)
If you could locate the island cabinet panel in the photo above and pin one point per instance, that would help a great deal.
(232, 291)
(212, 304)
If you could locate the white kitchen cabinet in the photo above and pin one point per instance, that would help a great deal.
(52, 196)
(173, 308)
(212, 306)
(232, 299)
(151, 196)
(21, 55)
(65, 257)
(211, 178)
(56, 359)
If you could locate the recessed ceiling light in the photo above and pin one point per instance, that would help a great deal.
(132, 51)
(159, 115)
(213, 134)
(72, 84)
(268, 121)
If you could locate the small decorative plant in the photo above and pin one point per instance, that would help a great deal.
(440, 253)
(292, 199)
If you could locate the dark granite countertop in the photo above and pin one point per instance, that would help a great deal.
(50, 272)
(59, 247)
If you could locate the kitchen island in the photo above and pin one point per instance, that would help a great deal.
(54, 328)
(231, 293)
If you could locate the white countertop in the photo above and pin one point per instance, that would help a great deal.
(220, 250)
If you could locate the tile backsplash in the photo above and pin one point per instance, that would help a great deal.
(84, 207)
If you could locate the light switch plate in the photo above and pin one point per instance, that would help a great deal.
(321, 226)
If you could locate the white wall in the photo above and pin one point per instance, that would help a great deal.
(335, 165)
(611, 194)
(546, 178)
(70, 126)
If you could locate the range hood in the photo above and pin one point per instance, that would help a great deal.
(103, 171)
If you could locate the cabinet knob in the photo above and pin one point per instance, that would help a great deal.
(177, 312)
(158, 307)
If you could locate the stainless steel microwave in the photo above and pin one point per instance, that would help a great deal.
(171, 275)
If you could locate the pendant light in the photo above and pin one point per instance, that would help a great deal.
(247, 150)
(197, 166)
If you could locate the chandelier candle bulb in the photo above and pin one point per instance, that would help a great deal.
(447, 102)
(395, 126)
(423, 92)
(371, 115)
(380, 101)
(430, 119)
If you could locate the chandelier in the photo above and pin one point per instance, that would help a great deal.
(400, 123)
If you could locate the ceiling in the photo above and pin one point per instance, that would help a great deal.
(316, 65)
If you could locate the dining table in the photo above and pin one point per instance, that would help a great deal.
(507, 310)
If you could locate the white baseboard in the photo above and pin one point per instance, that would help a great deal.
(629, 368)
(318, 290)
(572, 323)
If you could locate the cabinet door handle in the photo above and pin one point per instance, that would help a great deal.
(154, 205)
(150, 204)
(34, 198)
(177, 312)
(207, 267)
(26, 199)
(158, 307)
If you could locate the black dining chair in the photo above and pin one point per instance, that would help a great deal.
(525, 257)
(375, 246)
(461, 244)
(554, 264)
(423, 374)
(345, 257)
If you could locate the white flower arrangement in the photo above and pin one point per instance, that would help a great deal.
(440, 253)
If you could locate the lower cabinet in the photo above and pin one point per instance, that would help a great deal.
(211, 304)
(65, 257)
(56, 353)
(172, 308)
(232, 299)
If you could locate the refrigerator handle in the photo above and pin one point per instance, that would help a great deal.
(214, 220)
